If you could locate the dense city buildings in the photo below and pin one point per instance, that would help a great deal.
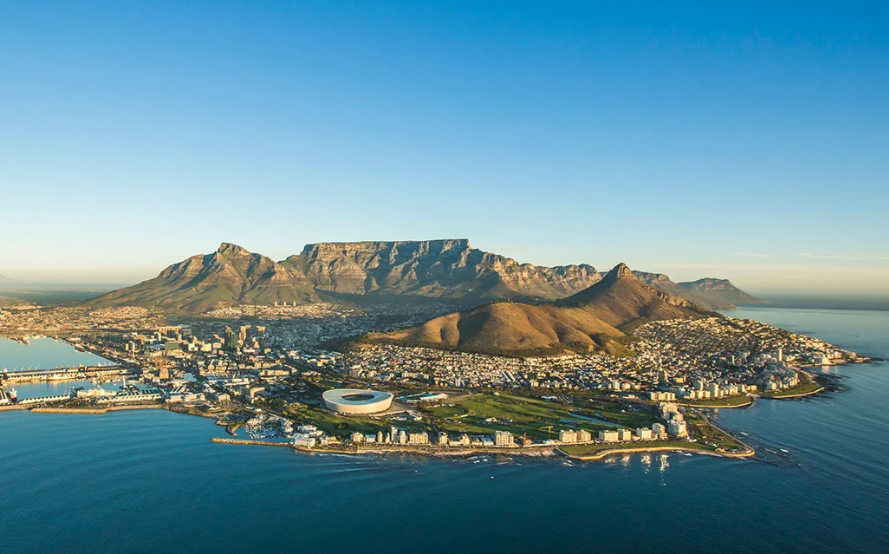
(273, 373)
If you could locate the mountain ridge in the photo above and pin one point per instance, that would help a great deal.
(599, 318)
(448, 269)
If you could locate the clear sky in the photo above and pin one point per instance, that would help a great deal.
(747, 140)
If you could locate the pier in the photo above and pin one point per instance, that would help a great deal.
(61, 374)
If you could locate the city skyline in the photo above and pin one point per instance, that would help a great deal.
(746, 145)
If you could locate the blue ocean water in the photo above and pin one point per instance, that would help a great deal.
(151, 481)
(45, 353)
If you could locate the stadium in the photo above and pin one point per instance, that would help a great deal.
(356, 401)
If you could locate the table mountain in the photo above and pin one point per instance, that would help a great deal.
(435, 269)
(367, 271)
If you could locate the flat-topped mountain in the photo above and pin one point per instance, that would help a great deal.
(374, 271)
(435, 269)
(597, 318)
(720, 290)
(449, 270)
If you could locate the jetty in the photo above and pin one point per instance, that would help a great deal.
(61, 374)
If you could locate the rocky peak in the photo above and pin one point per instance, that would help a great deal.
(621, 271)
(229, 248)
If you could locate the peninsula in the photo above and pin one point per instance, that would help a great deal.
(429, 347)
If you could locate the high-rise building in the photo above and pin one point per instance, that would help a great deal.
(677, 428)
(231, 339)
(567, 436)
(503, 438)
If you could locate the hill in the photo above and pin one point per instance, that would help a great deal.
(720, 290)
(368, 271)
(510, 329)
(625, 302)
(597, 318)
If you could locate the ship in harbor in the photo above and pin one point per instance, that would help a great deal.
(8, 397)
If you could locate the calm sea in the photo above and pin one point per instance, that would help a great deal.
(152, 482)
(43, 354)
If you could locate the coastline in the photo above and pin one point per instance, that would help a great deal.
(95, 411)
(676, 448)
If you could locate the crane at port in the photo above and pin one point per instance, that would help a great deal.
(548, 429)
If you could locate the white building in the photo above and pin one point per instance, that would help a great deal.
(503, 438)
(643, 434)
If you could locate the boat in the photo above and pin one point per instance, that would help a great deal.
(13, 396)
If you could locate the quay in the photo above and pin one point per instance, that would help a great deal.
(61, 374)
(48, 410)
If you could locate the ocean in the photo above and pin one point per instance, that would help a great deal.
(150, 481)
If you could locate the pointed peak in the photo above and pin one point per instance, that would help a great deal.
(229, 248)
(621, 271)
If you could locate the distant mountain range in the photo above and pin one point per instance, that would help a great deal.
(720, 290)
(365, 272)
(598, 318)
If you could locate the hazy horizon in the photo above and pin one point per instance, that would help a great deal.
(791, 296)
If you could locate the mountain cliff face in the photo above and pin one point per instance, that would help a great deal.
(664, 283)
(229, 276)
(441, 269)
(720, 290)
(384, 271)
(598, 318)
(436, 269)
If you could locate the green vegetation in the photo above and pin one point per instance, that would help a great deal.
(486, 413)
(709, 435)
(343, 426)
(806, 386)
(612, 414)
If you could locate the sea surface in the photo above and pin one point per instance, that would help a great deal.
(45, 353)
(150, 481)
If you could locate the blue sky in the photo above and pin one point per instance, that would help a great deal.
(748, 141)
